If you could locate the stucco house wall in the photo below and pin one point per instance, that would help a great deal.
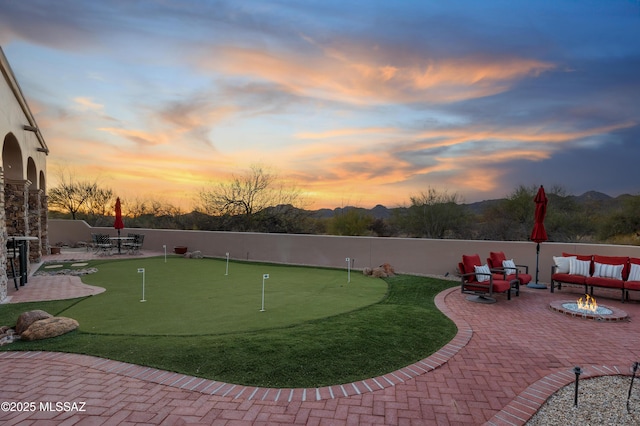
(23, 172)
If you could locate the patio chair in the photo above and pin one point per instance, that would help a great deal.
(480, 282)
(512, 271)
(104, 244)
(135, 244)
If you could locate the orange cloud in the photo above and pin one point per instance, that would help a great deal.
(84, 103)
(359, 78)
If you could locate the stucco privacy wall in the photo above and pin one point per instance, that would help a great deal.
(406, 255)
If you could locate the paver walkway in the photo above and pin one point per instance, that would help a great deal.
(505, 361)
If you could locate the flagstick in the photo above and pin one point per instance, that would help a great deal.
(141, 270)
(165, 253)
(348, 269)
(227, 270)
(264, 277)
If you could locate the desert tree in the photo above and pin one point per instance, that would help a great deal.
(247, 194)
(350, 221)
(433, 214)
(76, 197)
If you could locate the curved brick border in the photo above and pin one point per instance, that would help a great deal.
(525, 405)
(241, 392)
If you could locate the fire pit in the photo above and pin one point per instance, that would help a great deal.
(589, 309)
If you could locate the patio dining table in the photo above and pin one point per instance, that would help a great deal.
(120, 240)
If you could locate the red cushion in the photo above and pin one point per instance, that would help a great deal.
(579, 256)
(495, 259)
(633, 285)
(522, 277)
(604, 282)
(614, 260)
(568, 278)
(499, 286)
(469, 262)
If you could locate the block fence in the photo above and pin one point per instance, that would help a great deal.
(417, 256)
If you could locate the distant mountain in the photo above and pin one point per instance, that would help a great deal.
(591, 196)
(378, 212)
(595, 199)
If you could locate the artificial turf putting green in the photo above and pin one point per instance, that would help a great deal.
(195, 297)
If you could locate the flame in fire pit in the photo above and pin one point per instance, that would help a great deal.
(589, 304)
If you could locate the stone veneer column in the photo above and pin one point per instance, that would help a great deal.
(3, 243)
(35, 230)
(16, 195)
(44, 224)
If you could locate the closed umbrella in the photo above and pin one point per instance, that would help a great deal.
(118, 224)
(539, 234)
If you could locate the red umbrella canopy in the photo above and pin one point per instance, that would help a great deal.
(539, 234)
(118, 224)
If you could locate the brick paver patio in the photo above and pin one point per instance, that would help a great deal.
(505, 361)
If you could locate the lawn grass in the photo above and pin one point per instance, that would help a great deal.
(195, 297)
(401, 329)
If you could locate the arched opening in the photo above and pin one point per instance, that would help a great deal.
(32, 173)
(12, 158)
(42, 182)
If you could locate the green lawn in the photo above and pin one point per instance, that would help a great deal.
(354, 341)
(195, 297)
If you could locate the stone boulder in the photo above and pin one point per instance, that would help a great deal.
(367, 271)
(49, 327)
(7, 335)
(197, 254)
(27, 318)
(388, 269)
(379, 273)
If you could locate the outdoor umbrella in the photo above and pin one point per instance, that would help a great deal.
(118, 224)
(539, 234)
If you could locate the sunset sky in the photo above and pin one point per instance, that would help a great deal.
(355, 102)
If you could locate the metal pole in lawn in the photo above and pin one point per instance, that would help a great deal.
(227, 270)
(264, 277)
(348, 269)
(164, 246)
(141, 271)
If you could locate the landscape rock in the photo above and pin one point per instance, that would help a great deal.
(197, 254)
(49, 327)
(7, 335)
(379, 273)
(27, 318)
(388, 269)
(367, 271)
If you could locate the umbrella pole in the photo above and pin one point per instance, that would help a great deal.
(537, 284)
(120, 252)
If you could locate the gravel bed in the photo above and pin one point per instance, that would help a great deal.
(601, 401)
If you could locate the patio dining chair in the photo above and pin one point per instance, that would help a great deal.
(135, 244)
(478, 281)
(104, 244)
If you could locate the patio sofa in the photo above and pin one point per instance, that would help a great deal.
(616, 272)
